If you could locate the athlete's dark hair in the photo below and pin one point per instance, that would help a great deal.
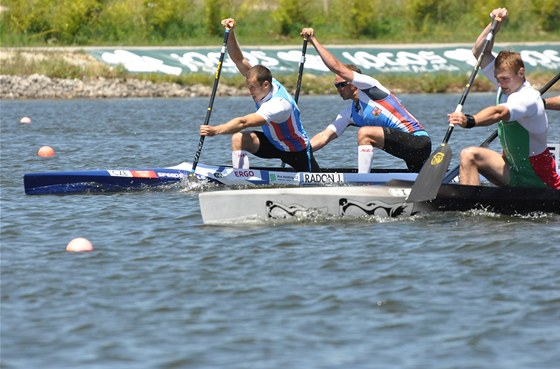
(509, 59)
(261, 73)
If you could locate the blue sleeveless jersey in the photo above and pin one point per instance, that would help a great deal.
(288, 135)
(379, 108)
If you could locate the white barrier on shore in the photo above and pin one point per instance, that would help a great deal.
(373, 59)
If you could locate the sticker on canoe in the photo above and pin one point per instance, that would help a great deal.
(322, 178)
(143, 174)
(133, 173)
(120, 173)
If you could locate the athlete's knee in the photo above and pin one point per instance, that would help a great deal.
(236, 141)
(370, 136)
(364, 136)
(469, 155)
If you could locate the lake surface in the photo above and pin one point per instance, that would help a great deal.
(162, 290)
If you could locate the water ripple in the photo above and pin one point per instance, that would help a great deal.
(162, 290)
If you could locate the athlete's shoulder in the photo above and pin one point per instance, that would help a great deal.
(527, 92)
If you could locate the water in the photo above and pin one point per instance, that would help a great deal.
(161, 290)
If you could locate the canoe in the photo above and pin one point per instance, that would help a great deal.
(256, 205)
(115, 180)
(388, 200)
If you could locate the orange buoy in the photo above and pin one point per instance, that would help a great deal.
(45, 151)
(79, 244)
(25, 120)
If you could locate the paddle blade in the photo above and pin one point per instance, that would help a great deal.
(429, 179)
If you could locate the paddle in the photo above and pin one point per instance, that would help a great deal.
(429, 179)
(455, 171)
(300, 72)
(211, 103)
(300, 75)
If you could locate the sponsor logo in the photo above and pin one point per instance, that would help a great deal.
(170, 175)
(287, 179)
(322, 177)
(143, 174)
(438, 158)
(218, 175)
(244, 173)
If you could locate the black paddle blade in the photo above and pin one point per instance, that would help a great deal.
(431, 173)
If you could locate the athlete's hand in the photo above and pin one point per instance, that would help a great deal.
(206, 130)
(307, 32)
(456, 118)
(499, 14)
(228, 23)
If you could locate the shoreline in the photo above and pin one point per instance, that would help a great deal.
(37, 86)
(18, 85)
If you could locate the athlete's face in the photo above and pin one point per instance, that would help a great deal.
(257, 91)
(344, 88)
(508, 80)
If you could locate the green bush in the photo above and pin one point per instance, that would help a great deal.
(291, 16)
(68, 17)
(175, 22)
(547, 14)
(27, 19)
(166, 18)
(361, 17)
(214, 12)
(423, 13)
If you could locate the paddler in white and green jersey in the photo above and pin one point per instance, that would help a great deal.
(526, 160)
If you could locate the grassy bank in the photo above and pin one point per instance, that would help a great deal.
(267, 22)
(123, 23)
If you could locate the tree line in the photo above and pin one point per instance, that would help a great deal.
(197, 22)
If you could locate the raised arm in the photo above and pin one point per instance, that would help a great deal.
(500, 14)
(335, 65)
(234, 50)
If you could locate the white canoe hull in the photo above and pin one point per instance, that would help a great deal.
(242, 206)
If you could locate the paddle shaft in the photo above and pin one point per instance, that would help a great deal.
(455, 171)
(469, 84)
(300, 72)
(549, 84)
(300, 76)
(212, 97)
(429, 179)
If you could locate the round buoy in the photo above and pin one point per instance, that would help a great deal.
(45, 151)
(79, 244)
(25, 120)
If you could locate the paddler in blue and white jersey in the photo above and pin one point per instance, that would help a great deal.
(526, 160)
(277, 113)
(383, 120)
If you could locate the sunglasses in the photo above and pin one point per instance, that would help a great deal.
(341, 84)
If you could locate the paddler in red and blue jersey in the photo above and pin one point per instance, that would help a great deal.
(526, 160)
(282, 136)
(382, 119)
